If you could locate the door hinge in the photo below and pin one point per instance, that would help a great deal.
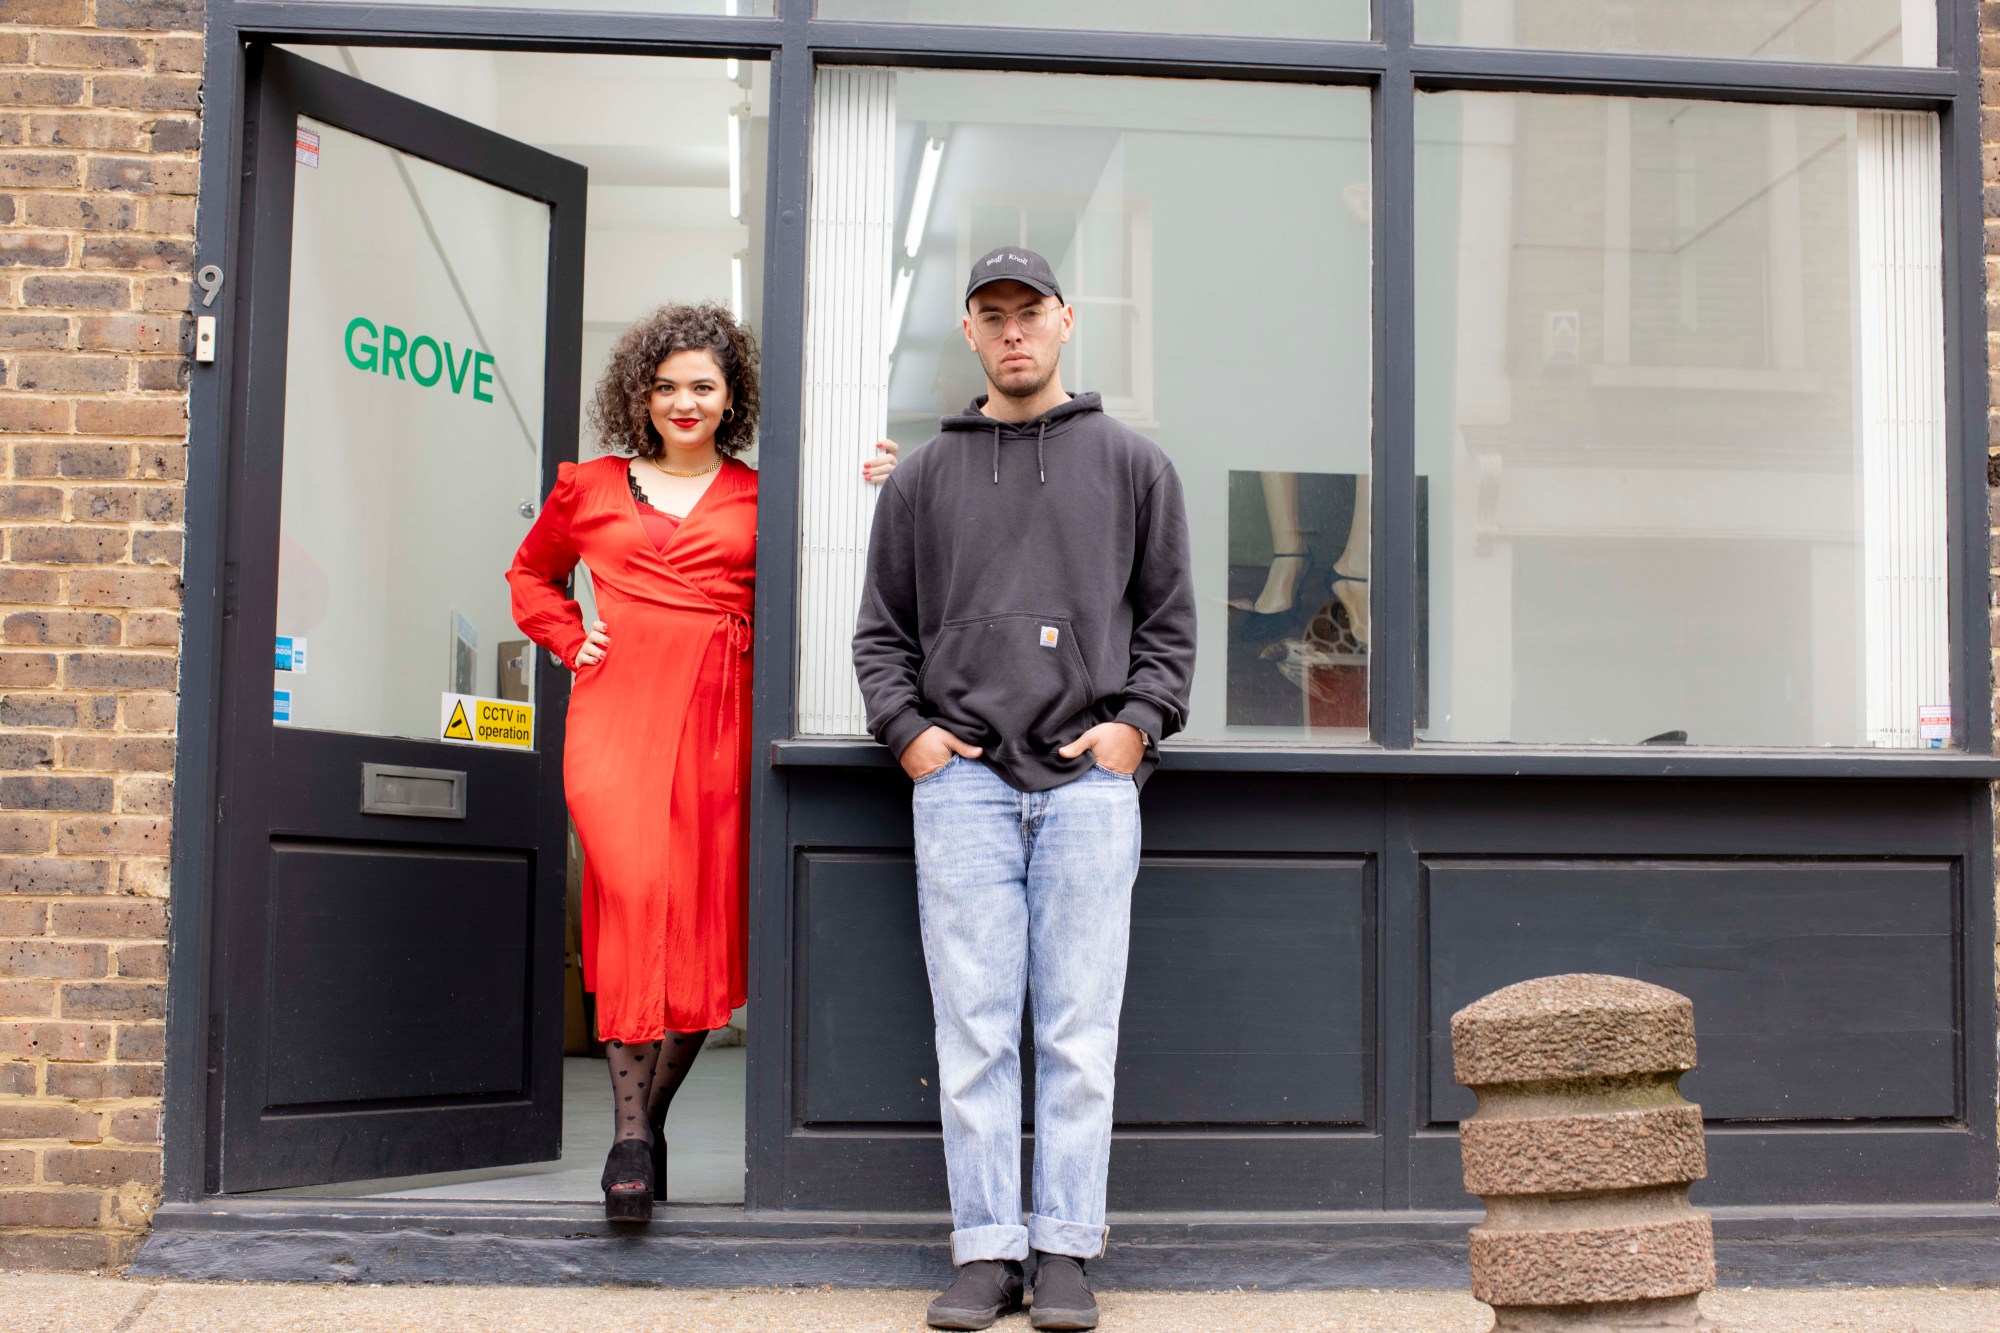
(228, 590)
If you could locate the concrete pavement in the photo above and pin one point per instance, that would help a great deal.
(61, 1303)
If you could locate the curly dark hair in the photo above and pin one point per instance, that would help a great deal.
(618, 411)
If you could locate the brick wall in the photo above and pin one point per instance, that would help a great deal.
(98, 129)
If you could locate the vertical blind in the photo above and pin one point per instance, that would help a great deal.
(1899, 240)
(852, 220)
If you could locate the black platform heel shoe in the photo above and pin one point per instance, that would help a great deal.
(1307, 598)
(628, 1183)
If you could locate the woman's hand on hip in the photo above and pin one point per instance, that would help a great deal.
(596, 643)
(878, 468)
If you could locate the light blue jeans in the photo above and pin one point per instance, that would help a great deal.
(1026, 891)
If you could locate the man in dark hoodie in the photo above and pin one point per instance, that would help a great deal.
(1026, 640)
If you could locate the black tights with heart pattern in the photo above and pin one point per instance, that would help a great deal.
(644, 1078)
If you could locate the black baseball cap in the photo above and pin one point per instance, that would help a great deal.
(1013, 263)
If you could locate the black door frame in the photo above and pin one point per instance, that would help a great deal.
(795, 43)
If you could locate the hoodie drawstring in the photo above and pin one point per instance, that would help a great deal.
(1040, 469)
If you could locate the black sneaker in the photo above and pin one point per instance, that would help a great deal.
(984, 1290)
(1062, 1295)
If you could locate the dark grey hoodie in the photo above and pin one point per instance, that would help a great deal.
(1027, 581)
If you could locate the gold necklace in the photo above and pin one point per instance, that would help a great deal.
(698, 472)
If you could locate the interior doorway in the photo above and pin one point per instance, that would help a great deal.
(673, 153)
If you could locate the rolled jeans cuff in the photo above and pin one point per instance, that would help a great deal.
(994, 1242)
(1078, 1240)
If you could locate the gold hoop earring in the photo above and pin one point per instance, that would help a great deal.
(728, 415)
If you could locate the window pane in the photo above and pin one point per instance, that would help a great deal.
(1680, 422)
(1836, 32)
(1324, 20)
(1213, 240)
(402, 365)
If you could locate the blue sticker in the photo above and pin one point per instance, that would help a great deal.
(291, 655)
(281, 705)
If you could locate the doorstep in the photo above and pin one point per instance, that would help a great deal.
(540, 1244)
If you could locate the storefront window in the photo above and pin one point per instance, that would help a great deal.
(1326, 20)
(1213, 239)
(1835, 32)
(1680, 423)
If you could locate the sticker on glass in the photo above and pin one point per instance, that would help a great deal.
(281, 705)
(307, 151)
(469, 719)
(1933, 726)
(291, 654)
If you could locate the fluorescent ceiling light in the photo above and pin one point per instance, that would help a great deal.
(898, 303)
(920, 202)
(735, 164)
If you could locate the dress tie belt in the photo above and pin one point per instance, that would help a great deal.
(736, 629)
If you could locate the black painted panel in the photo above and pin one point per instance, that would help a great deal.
(1681, 817)
(1174, 1173)
(1185, 812)
(321, 794)
(1283, 1172)
(396, 973)
(1248, 996)
(1268, 814)
(1822, 990)
(863, 999)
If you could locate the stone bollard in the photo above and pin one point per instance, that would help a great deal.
(1582, 1149)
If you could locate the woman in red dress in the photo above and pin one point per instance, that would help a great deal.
(657, 753)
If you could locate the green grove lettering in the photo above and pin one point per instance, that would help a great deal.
(388, 350)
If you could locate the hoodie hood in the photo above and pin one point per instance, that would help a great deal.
(1052, 422)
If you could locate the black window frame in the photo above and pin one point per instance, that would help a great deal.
(1394, 67)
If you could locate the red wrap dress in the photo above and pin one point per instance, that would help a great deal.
(657, 757)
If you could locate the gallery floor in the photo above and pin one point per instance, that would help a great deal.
(704, 1146)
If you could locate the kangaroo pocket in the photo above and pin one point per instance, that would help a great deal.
(1009, 682)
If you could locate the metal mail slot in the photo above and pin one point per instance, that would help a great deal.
(420, 793)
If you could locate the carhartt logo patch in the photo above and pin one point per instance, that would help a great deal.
(1049, 636)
